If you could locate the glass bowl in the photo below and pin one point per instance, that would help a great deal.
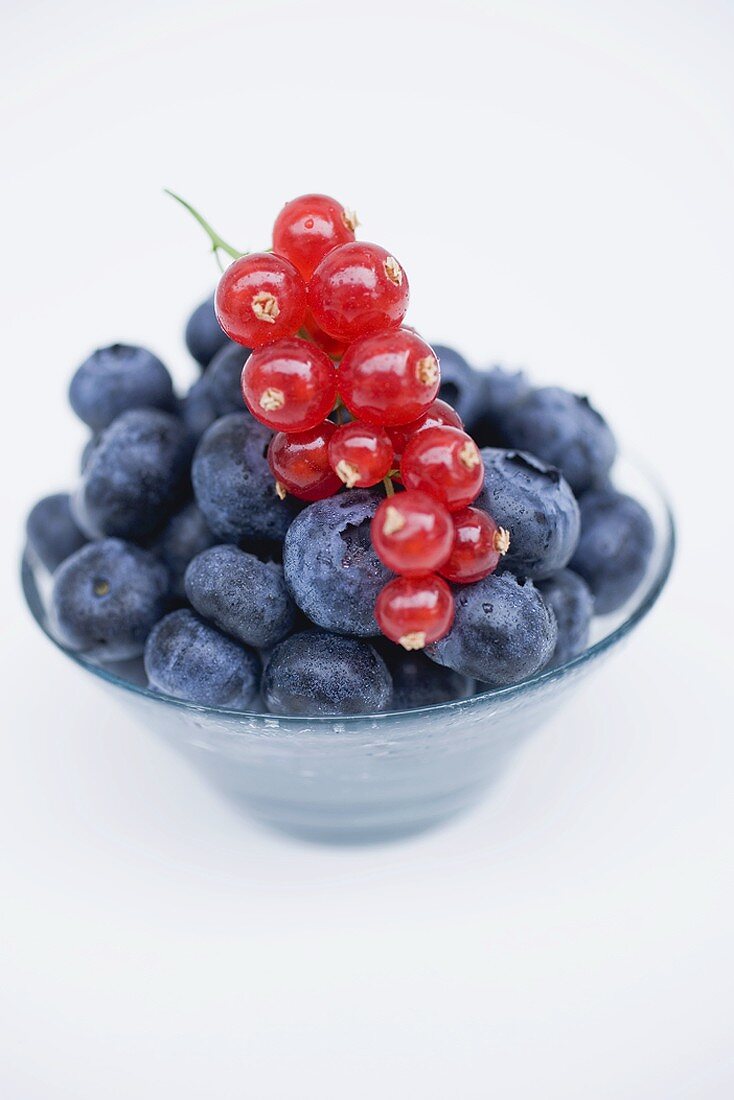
(382, 776)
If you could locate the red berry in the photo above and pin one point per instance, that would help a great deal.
(446, 463)
(478, 546)
(437, 413)
(300, 463)
(412, 533)
(290, 386)
(358, 289)
(390, 378)
(310, 226)
(260, 299)
(334, 348)
(359, 455)
(415, 611)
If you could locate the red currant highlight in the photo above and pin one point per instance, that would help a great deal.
(300, 463)
(310, 226)
(290, 386)
(260, 299)
(390, 378)
(359, 455)
(415, 611)
(446, 463)
(358, 289)
(437, 413)
(412, 533)
(478, 546)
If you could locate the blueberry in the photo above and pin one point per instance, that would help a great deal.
(203, 335)
(51, 531)
(233, 484)
(571, 602)
(198, 409)
(88, 450)
(535, 504)
(134, 477)
(240, 594)
(317, 673)
(502, 633)
(189, 659)
(115, 379)
(222, 378)
(106, 598)
(499, 390)
(185, 535)
(460, 383)
(615, 546)
(565, 430)
(418, 682)
(330, 565)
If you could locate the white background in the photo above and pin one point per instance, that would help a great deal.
(558, 180)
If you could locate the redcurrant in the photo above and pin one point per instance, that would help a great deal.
(437, 413)
(290, 386)
(359, 455)
(478, 546)
(300, 463)
(415, 611)
(358, 289)
(446, 463)
(310, 226)
(260, 299)
(390, 378)
(412, 533)
(334, 348)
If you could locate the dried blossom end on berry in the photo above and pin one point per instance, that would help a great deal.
(265, 307)
(347, 472)
(502, 540)
(393, 270)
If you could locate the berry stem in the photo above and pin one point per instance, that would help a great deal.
(389, 487)
(218, 243)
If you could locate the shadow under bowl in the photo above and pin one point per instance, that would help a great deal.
(376, 777)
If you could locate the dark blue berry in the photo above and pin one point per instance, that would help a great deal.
(460, 383)
(499, 390)
(135, 475)
(106, 598)
(535, 504)
(614, 549)
(317, 673)
(51, 531)
(233, 484)
(191, 660)
(571, 601)
(185, 535)
(198, 409)
(503, 631)
(203, 335)
(115, 379)
(240, 594)
(222, 378)
(330, 565)
(418, 682)
(87, 451)
(563, 429)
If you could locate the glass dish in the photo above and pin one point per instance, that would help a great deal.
(377, 777)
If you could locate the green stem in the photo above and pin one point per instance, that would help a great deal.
(218, 243)
(389, 487)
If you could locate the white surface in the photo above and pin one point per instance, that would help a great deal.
(557, 179)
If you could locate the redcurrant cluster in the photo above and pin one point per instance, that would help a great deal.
(323, 314)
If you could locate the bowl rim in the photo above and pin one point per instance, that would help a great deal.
(636, 614)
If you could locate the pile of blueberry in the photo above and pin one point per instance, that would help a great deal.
(327, 522)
